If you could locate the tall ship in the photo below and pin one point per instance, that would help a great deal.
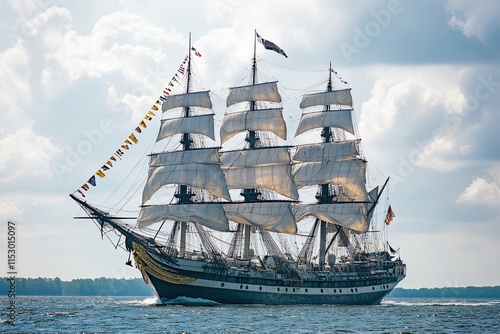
(251, 221)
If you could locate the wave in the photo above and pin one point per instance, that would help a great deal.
(187, 301)
(438, 302)
(151, 301)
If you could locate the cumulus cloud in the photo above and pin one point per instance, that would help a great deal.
(475, 19)
(483, 190)
(25, 155)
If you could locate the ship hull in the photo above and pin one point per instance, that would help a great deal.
(189, 278)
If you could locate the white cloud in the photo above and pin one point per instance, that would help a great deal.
(483, 191)
(475, 19)
(24, 155)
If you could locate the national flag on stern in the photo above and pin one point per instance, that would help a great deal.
(270, 45)
(390, 215)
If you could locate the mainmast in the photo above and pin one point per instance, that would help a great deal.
(251, 195)
(324, 196)
(184, 196)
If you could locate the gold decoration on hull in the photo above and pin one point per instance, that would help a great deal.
(148, 265)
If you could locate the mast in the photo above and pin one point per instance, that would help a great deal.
(183, 196)
(324, 195)
(251, 195)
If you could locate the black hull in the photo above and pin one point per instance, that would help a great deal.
(165, 290)
(172, 281)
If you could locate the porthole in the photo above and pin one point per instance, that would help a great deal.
(356, 289)
(373, 288)
(321, 290)
(278, 289)
(260, 288)
(246, 287)
(241, 286)
(286, 289)
(334, 290)
(352, 290)
(222, 284)
(306, 290)
(340, 290)
(293, 290)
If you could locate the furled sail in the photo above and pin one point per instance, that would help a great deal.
(211, 215)
(269, 216)
(350, 174)
(197, 99)
(204, 176)
(267, 167)
(331, 151)
(332, 118)
(350, 215)
(203, 124)
(338, 97)
(263, 119)
(267, 91)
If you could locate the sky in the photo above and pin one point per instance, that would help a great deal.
(77, 78)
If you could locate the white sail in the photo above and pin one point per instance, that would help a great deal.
(264, 156)
(336, 118)
(338, 97)
(277, 178)
(263, 119)
(203, 124)
(350, 215)
(267, 91)
(204, 176)
(350, 174)
(269, 216)
(197, 99)
(211, 215)
(332, 151)
(202, 156)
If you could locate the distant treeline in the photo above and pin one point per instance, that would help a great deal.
(137, 287)
(77, 287)
(462, 292)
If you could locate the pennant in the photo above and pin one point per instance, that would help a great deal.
(109, 163)
(134, 139)
(104, 167)
(166, 93)
(143, 124)
(162, 98)
(174, 79)
(125, 147)
(168, 90)
(112, 158)
(138, 130)
(270, 45)
(158, 102)
(85, 187)
(196, 52)
(151, 113)
(128, 142)
(154, 107)
(118, 155)
(148, 118)
(170, 84)
(119, 152)
(81, 193)
(92, 180)
(100, 174)
(390, 216)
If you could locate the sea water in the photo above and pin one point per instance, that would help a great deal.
(149, 315)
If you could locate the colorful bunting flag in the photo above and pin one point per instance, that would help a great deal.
(125, 147)
(100, 173)
(109, 163)
(154, 107)
(112, 158)
(92, 180)
(134, 139)
(143, 124)
(138, 130)
(148, 118)
(85, 187)
(81, 193)
(151, 113)
(104, 167)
